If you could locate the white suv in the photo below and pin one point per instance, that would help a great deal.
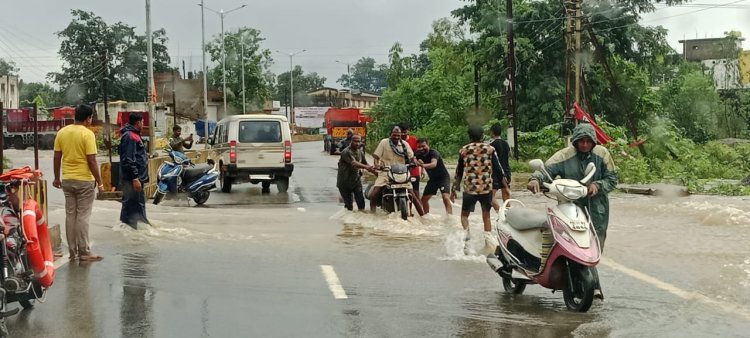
(255, 149)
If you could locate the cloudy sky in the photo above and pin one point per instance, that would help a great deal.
(330, 30)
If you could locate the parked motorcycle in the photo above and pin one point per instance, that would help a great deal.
(182, 176)
(18, 282)
(557, 249)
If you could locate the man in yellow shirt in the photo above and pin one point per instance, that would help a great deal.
(75, 152)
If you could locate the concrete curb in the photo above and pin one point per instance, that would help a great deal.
(55, 238)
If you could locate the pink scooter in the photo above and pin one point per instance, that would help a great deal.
(557, 249)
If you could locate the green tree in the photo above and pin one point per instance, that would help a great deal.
(438, 104)
(243, 50)
(88, 43)
(692, 103)
(303, 83)
(366, 75)
(33, 90)
(8, 67)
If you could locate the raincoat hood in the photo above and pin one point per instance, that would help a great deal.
(583, 130)
(129, 127)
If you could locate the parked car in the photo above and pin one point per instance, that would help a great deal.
(255, 149)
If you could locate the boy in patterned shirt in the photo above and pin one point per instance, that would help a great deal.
(476, 164)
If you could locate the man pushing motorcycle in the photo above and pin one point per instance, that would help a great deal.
(389, 151)
(570, 163)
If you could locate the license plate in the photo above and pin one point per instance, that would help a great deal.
(403, 185)
(578, 225)
(341, 132)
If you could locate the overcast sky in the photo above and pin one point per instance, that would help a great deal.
(330, 30)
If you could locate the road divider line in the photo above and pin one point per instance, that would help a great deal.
(333, 282)
(684, 294)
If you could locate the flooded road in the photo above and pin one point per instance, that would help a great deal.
(297, 264)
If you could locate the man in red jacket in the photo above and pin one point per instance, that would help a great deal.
(416, 172)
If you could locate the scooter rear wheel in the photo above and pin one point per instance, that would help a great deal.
(514, 286)
(201, 197)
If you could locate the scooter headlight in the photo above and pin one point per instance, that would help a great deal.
(572, 193)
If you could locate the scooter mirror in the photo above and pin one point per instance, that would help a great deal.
(590, 171)
(538, 165)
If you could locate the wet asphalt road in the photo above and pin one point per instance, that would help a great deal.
(249, 265)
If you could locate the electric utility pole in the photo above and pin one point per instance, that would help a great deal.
(510, 83)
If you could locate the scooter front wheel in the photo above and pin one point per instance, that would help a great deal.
(579, 293)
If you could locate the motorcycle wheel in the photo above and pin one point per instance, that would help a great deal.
(26, 304)
(3, 325)
(403, 206)
(158, 197)
(201, 197)
(581, 295)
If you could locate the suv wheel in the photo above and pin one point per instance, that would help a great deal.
(226, 183)
(282, 184)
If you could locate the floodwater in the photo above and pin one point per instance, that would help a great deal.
(250, 265)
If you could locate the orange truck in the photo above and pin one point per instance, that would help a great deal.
(338, 121)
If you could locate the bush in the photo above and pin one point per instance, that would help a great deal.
(101, 143)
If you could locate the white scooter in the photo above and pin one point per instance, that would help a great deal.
(557, 249)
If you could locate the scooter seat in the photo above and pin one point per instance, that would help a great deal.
(523, 218)
(193, 173)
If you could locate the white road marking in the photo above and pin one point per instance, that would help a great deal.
(333, 282)
(687, 295)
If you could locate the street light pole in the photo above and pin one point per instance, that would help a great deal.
(205, 71)
(223, 63)
(151, 84)
(242, 63)
(291, 83)
(222, 14)
(349, 79)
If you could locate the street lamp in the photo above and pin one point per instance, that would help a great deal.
(291, 81)
(348, 77)
(348, 73)
(221, 14)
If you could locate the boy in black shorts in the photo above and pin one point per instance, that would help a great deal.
(477, 166)
(440, 180)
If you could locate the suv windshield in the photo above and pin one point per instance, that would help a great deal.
(259, 131)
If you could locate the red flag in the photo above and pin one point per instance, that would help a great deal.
(154, 97)
(601, 136)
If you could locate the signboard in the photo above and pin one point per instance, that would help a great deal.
(310, 117)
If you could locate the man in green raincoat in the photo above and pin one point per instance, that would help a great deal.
(570, 163)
